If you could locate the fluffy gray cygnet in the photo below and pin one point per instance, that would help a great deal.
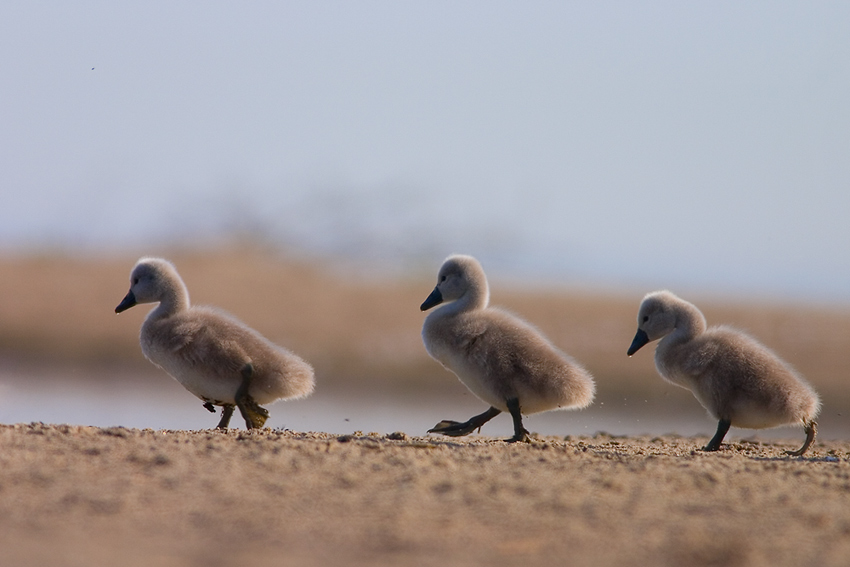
(214, 356)
(737, 379)
(503, 360)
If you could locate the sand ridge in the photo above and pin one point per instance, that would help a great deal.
(94, 496)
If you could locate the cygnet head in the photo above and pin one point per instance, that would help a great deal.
(460, 277)
(153, 280)
(657, 317)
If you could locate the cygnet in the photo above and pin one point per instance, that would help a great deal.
(217, 358)
(503, 360)
(737, 379)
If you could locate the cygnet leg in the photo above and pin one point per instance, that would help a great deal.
(226, 414)
(457, 429)
(722, 429)
(255, 416)
(811, 432)
(520, 433)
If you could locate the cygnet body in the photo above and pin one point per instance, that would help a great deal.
(217, 358)
(737, 379)
(503, 360)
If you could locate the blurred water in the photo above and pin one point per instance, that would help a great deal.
(155, 401)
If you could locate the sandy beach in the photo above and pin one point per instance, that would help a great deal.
(91, 496)
(308, 168)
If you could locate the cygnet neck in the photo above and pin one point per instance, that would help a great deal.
(477, 296)
(175, 298)
(690, 322)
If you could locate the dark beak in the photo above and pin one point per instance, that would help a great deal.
(641, 338)
(435, 298)
(126, 303)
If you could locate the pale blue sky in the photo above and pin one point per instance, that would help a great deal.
(703, 146)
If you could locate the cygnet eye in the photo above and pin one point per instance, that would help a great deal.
(135, 281)
(442, 279)
(645, 318)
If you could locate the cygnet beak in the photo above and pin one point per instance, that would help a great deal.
(435, 298)
(641, 338)
(126, 303)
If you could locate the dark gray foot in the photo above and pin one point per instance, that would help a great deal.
(458, 429)
(226, 414)
(209, 407)
(520, 433)
(722, 429)
(254, 415)
(811, 433)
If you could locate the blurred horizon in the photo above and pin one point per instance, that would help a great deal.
(700, 148)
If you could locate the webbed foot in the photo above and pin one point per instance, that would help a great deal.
(524, 437)
(452, 428)
(811, 433)
(458, 429)
(209, 407)
(254, 414)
